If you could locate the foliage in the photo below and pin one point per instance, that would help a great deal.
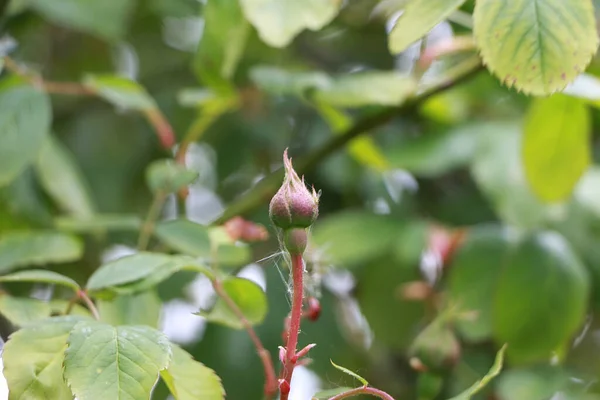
(453, 148)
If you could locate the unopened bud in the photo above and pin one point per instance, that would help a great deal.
(293, 206)
(314, 309)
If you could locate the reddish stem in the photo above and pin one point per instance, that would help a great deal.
(363, 390)
(82, 294)
(265, 356)
(295, 319)
(161, 126)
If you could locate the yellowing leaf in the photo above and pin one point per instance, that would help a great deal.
(279, 21)
(418, 18)
(537, 46)
(33, 359)
(188, 379)
(556, 146)
(22, 310)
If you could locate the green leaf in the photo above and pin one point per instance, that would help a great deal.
(556, 146)
(189, 379)
(436, 346)
(479, 385)
(498, 172)
(21, 311)
(351, 373)
(24, 125)
(479, 259)
(279, 21)
(279, 81)
(127, 269)
(367, 88)
(327, 394)
(106, 362)
(185, 236)
(138, 273)
(222, 43)
(33, 358)
(60, 176)
(99, 223)
(429, 385)
(248, 296)
(138, 309)
(537, 383)
(40, 275)
(542, 288)
(175, 8)
(106, 19)
(20, 249)
(350, 238)
(121, 92)
(168, 176)
(419, 17)
(393, 319)
(428, 154)
(537, 46)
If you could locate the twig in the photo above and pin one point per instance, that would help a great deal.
(161, 126)
(154, 116)
(89, 303)
(295, 320)
(153, 214)
(363, 390)
(263, 191)
(265, 357)
(67, 88)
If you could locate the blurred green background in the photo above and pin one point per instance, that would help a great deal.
(431, 248)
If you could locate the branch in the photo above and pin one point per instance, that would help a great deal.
(363, 390)
(68, 88)
(154, 116)
(265, 356)
(263, 190)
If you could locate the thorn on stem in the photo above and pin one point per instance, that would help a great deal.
(305, 350)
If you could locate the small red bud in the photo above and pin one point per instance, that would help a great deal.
(314, 309)
(293, 206)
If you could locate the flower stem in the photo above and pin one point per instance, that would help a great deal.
(295, 319)
(265, 356)
(363, 390)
